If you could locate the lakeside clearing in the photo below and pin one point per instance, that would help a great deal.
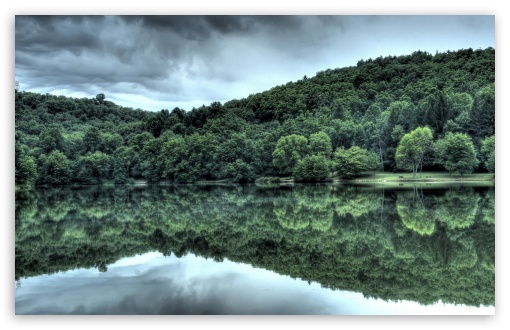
(423, 177)
(399, 179)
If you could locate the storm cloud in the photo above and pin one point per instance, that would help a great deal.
(156, 62)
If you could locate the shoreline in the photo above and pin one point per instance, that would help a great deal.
(381, 178)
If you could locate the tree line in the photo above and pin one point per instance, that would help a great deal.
(376, 115)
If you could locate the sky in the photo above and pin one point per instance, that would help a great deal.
(185, 61)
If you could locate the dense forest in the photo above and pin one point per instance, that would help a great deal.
(405, 113)
(421, 244)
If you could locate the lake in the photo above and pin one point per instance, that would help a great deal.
(256, 250)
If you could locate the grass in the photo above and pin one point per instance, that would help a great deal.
(403, 178)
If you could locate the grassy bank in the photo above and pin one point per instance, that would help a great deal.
(423, 177)
(400, 179)
(426, 179)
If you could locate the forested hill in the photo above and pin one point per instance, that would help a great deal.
(310, 128)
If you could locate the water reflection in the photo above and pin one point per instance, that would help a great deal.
(190, 285)
(418, 245)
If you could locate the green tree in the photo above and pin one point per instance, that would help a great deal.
(459, 103)
(26, 171)
(456, 153)
(160, 122)
(128, 158)
(92, 140)
(436, 111)
(320, 144)
(288, 151)
(312, 168)
(174, 153)
(488, 153)
(100, 98)
(350, 162)
(402, 113)
(138, 141)
(120, 172)
(239, 171)
(93, 168)
(412, 149)
(56, 168)
(51, 139)
(373, 162)
(110, 142)
(233, 154)
(483, 115)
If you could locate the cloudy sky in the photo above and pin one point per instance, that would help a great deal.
(160, 62)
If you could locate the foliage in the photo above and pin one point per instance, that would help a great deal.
(55, 169)
(350, 162)
(412, 149)
(488, 153)
(320, 144)
(26, 171)
(483, 116)
(456, 153)
(312, 168)
(288, 152)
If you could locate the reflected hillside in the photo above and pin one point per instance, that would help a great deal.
(416, 244)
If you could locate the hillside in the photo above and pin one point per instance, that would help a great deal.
(62, 140)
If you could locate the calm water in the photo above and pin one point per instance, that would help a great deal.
(305, 249)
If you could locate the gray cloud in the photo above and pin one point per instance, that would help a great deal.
(155, 62)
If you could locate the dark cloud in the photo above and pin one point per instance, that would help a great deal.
(53, 33)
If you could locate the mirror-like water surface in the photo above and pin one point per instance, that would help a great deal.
(306, 249)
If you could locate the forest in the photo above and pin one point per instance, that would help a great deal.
(396, 113)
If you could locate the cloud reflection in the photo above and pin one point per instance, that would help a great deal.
(194, 286)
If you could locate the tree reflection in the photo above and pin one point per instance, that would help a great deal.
(305, 206)
(457, 208)
(419, 245)
(349, 200)
(489, 207)
(415, 212)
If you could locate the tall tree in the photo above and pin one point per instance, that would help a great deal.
(26, 171)
(488, 153)
(312, 168)
(288, 151)
(483, 115)
(56, 168)
(437, 111)
(412, 149)
(350, 162)
(456, 153)
(51, 139)
(320, 144)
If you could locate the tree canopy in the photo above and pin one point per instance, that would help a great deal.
(412, 149)
(456, 153)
